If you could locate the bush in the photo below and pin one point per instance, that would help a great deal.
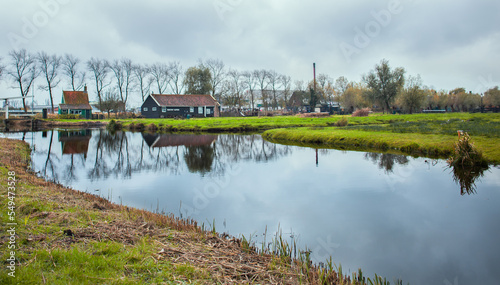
(342, 122)
(114, 125)
(361, 112)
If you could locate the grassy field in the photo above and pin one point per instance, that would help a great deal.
(419, 134)
(63, 236)
(425, 135)
(267, 123)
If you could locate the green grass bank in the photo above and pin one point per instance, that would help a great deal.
(241, 124)
(432, 136)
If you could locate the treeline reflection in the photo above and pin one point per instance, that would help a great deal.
(68, 156)
(121, 154)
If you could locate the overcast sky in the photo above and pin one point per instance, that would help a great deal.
(449, 43)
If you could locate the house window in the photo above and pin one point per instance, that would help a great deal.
(164, 109)
(200, 110)
(208, 111)
(145, 109)
(154, 109)
(191, 109)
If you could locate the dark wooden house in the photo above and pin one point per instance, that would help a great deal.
(76, 103)
(179, 106)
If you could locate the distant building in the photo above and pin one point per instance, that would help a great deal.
(171, 106)
(77, 103)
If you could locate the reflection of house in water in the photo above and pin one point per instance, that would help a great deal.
(75, 141)
(155, 141)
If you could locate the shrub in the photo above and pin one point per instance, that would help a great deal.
(465, 153)
(342, 122)
(114, 125)
(361, 112)
(152, 127)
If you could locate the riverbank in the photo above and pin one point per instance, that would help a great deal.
(430, 138)
(430, 135)
(62, 236)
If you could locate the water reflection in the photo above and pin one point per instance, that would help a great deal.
(75, 141)
(466, 177)
(120, 154)
(387, 161)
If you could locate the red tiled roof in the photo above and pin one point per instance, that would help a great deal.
(184, 100)
(75, 100)
(75, 107)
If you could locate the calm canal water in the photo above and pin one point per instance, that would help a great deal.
(397, 216)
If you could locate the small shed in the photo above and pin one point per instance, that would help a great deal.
(76, 103)
(172, 106)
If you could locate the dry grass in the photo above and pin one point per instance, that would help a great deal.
(361, 112)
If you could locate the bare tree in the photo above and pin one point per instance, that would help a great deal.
(261, 77)
(70, 65)
(299, 85)
(235, 84)
(286, 83)
(143, 80)
(49, 65)
(118, 69)
(2, 68)
(250, 85)
(23, 71)
(175, 77)
(128, 69)
(341, 85)
(160, 73)
(324, 81)
(217, 70)
(100, 69)
(274, 82)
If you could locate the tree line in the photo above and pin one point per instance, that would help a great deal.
(116, 81)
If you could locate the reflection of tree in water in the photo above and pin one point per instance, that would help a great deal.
(233, 148)
(199, 158)
(120, 154)
(386, 161)
(466, 177)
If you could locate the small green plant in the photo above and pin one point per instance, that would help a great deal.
(26, 219)
(342, 122)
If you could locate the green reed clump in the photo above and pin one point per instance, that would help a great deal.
(114, 125)
(342, 122)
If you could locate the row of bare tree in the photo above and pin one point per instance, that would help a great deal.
(124, 79)
(121, 79)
